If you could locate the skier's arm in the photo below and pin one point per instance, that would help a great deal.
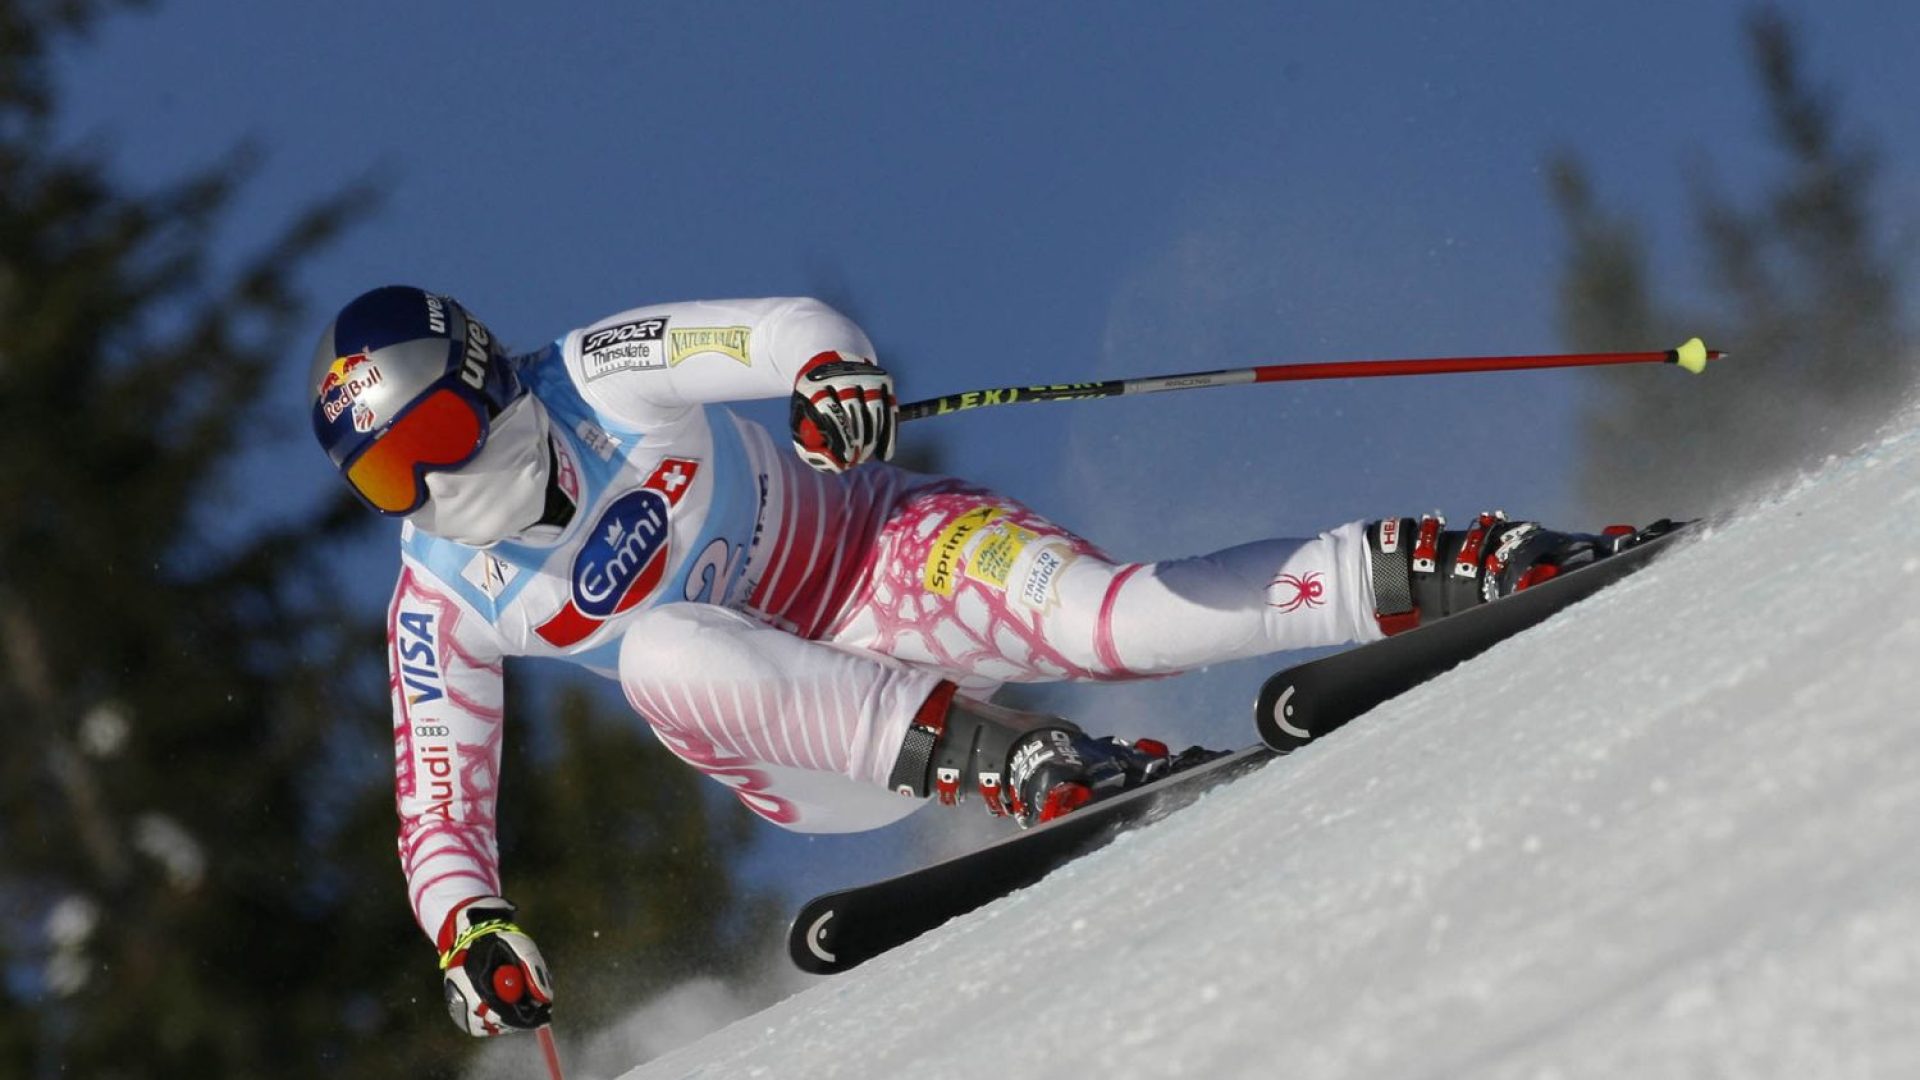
(445, 677)
(649, 363)
(445, 674)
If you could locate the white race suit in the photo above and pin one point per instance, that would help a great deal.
(778, 627)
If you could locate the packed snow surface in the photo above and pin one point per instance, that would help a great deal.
(1674, 831)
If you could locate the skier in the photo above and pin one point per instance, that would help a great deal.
(820, 638)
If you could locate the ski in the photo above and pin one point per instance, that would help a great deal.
(1304, 702)
(838, 930)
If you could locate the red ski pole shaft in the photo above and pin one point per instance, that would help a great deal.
(1692, 356)
(550, 1052)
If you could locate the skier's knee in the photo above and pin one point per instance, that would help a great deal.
(681, 638)
(1103, 604)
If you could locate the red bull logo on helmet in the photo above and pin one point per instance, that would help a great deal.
(344, 382)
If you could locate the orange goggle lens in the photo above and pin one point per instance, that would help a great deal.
(441, 431)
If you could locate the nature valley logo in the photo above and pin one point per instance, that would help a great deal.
(729, 341)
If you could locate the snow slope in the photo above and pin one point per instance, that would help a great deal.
(1673, 832)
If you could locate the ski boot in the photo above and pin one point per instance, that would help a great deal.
(1029, 766)
(1057, 769)
(1423, 571)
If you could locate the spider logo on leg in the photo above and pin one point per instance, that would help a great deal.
(1308, 591)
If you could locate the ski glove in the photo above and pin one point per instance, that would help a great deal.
(496, 979)
(844, 412)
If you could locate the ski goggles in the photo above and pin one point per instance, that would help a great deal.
(444, 429)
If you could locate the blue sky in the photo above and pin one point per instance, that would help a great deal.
(1009, 193)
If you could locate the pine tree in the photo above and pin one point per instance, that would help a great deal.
(1805, 293)
(197, 866)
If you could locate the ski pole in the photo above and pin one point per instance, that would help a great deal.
(1693, 356)
(550, 1051)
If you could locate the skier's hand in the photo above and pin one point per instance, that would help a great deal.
(496, 979)
(843, 413)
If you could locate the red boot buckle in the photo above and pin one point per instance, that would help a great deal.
(989, 784)
(1536, 574)
(1063, 799)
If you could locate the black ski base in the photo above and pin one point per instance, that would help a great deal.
(838, 930)
(1306, 701)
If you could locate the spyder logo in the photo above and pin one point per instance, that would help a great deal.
(1308, 591)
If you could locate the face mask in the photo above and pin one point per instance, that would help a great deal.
(501, 492)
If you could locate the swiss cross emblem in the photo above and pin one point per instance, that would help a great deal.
(622, 560)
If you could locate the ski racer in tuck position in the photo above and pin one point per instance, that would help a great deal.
(817, 630)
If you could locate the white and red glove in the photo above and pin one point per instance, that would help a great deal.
(496, 979)
(844, 412)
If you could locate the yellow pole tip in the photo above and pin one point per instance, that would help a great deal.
(1692, 355)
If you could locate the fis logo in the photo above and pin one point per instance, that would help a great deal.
(625, 556)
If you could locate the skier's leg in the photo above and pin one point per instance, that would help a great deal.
(978, 585)
(773, 716)
(981, 586)
(1267, 596)
(1344, 585)
(777, 718)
